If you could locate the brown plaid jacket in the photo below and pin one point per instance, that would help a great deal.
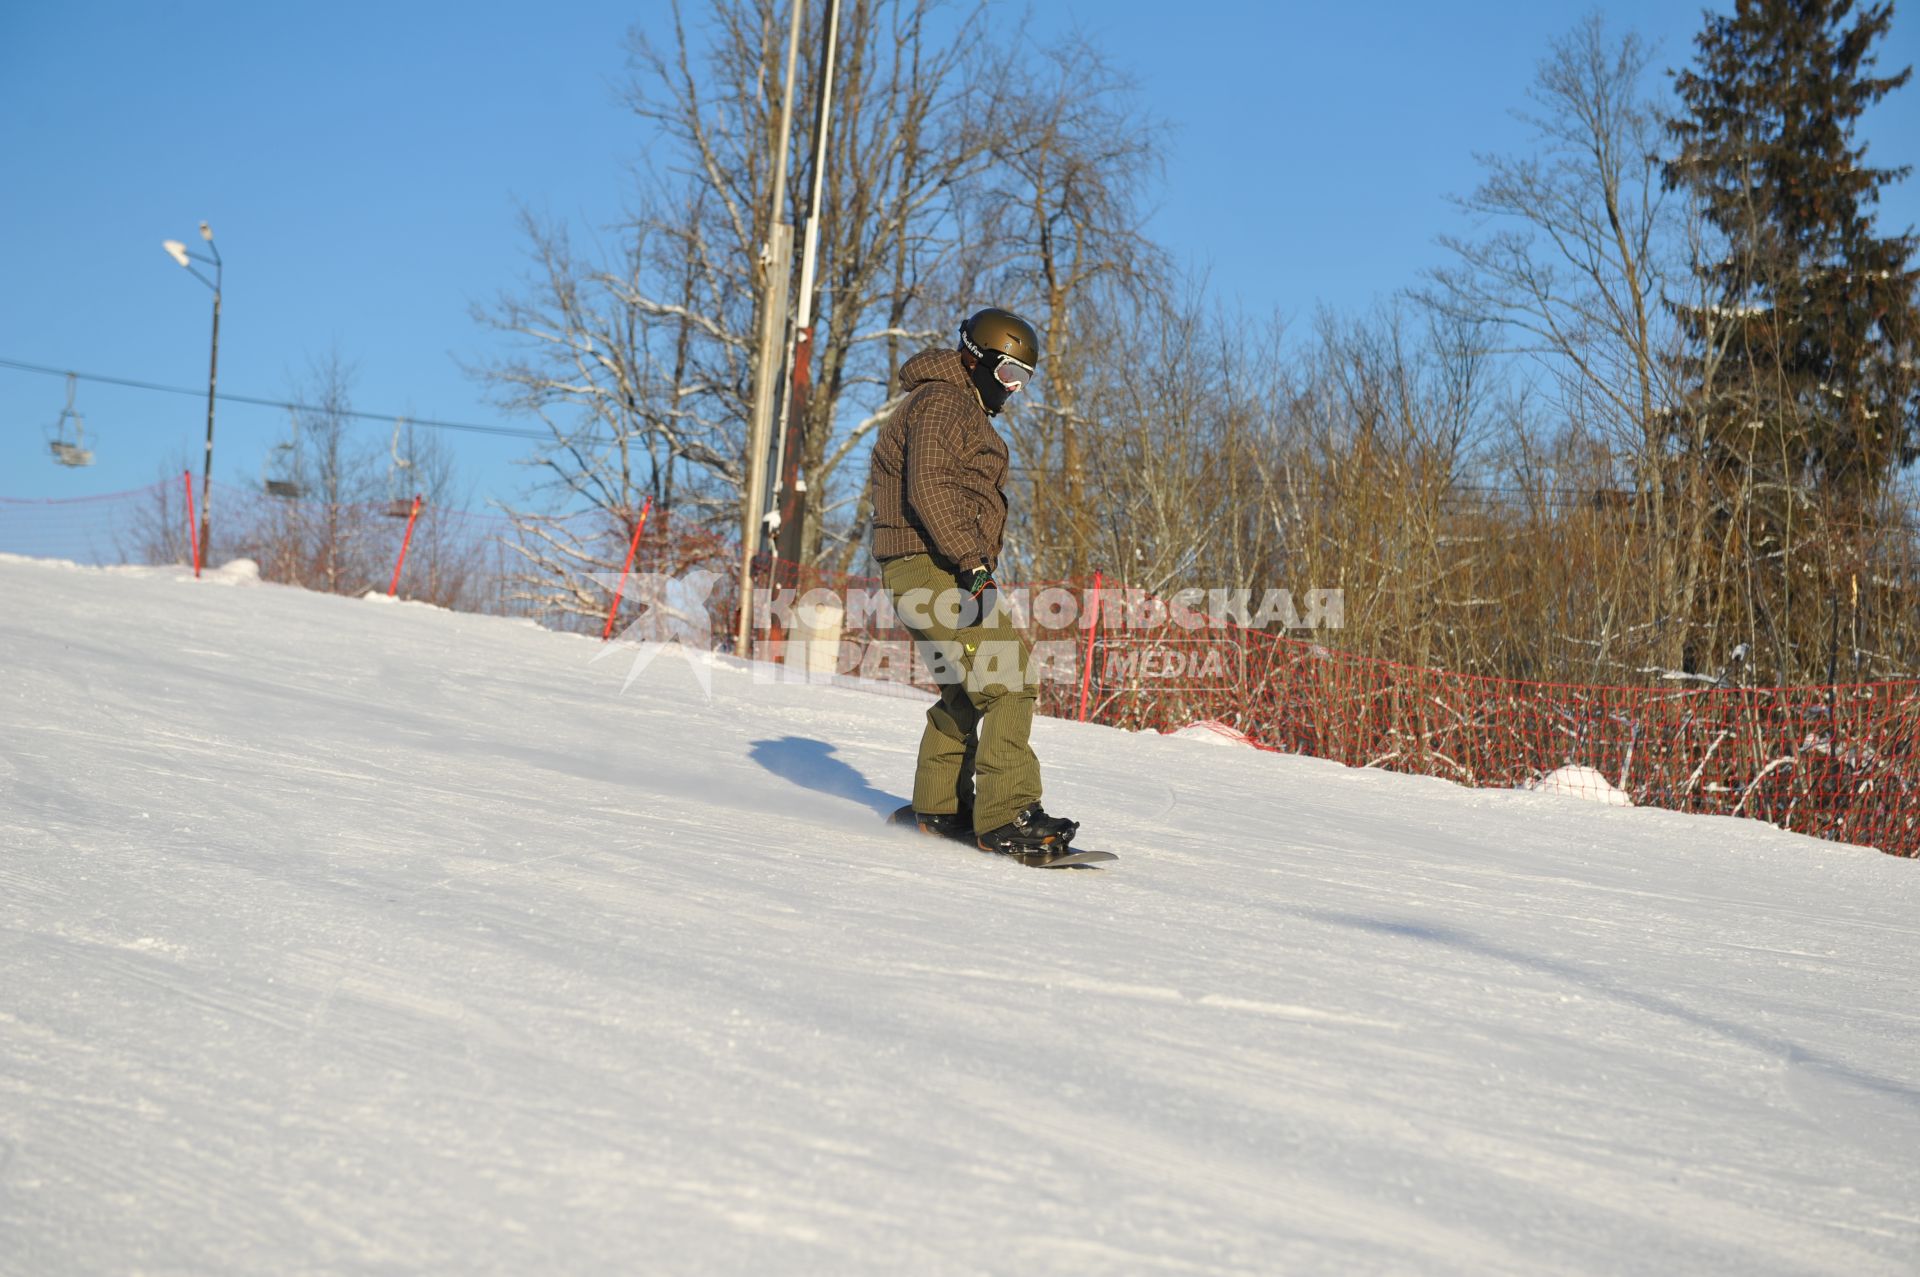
(939, 468)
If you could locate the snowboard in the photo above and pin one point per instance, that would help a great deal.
(1068, 857)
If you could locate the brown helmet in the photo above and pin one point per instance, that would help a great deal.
(1001, 332)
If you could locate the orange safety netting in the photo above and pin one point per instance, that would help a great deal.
(1838, 762)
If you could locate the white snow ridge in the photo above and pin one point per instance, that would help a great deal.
(1580, 782)
(352, 939)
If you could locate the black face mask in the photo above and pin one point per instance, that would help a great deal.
(993, 395)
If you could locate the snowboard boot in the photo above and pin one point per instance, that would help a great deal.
(955, 825)
(1030, 831)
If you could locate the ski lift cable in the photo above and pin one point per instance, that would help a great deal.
(506, 432)
(1550, 493)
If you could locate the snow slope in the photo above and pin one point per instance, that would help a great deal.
(339, 936)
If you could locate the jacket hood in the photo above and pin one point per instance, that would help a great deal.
(933, 365)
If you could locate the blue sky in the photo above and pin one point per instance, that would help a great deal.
(361, 166)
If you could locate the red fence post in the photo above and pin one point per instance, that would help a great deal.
(625, 568)
(405, 541)
(1093, 620)
(186, 476)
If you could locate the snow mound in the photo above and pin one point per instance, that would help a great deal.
(1579, 782)
(234, 572)
(1211, 731)
(378, 594)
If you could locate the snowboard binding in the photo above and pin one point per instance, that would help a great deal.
(1030, 832)
(1034, 838)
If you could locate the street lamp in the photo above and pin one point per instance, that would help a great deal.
(180, 253)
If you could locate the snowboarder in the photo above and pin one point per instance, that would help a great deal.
(939, 511)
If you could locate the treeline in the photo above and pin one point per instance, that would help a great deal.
(1656, 422)
(332, 508)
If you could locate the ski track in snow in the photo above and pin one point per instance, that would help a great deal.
(344, 938)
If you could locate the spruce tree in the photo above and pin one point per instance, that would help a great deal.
(1802, 347)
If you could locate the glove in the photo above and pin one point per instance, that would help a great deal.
(979, 580)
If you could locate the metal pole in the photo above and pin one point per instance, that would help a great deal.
(213, 377)
(1093, 622)
(413, 514)
(178, 252)
(786, 118)
(633, 547)
(193, 546)
(793, 496)
(823, 110)
(776, 261)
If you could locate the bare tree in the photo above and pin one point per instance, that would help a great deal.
(335, 491)
(641, 362)
(156, 532)
(316, 534)
(604, 371)
(906, 139)
(1056, 229)
(1576, 265)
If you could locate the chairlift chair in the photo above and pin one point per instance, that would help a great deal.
(398, 506)
(69, 444)
(282, 465)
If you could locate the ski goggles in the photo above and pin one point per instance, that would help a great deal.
(1011, 373)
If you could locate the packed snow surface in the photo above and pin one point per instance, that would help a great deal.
(338, 937)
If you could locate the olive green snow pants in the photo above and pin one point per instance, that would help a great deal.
(974, 751)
